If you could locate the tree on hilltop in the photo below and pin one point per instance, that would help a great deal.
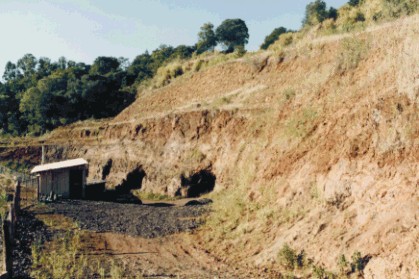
(353, 3)
(207, 40)
(104, 65)
(271, 38)
(316, 12)
(232, 33)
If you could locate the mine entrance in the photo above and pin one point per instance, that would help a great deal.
(76, 184)
(199, 183)
(133, 181)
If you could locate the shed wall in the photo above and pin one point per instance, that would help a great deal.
(57, 181)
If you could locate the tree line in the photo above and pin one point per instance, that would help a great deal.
(37, 94)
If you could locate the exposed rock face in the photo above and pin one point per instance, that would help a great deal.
(335, 149)
(164, 152)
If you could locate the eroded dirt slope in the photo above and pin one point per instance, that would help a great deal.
(316, 146)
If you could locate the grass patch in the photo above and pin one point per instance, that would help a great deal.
(65, 255)
(63, 258)
(289, 93)
(195, 156)
(148, 196)
(223, 101)
(301, 123)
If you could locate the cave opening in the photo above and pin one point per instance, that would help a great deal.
(133, 181)
(199, 183)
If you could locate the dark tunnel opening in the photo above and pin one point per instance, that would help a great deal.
(133, 181)
(107, 169)
(199, 183)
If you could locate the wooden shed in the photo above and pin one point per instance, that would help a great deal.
(66, 179)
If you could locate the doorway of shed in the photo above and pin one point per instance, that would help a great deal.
(76, 184)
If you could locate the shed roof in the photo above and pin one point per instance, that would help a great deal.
(60, 165)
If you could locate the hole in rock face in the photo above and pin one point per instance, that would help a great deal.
(121, 193)
(133, 181)
(199, 183)
(106, 169)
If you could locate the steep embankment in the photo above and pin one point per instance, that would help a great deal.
(316, 146)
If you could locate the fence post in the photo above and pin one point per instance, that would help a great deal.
(16, 200)
(7, 226)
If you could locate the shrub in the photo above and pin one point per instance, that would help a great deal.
(284, 40)
(319, 272)
(342, 264)
(358, 262)
(198, 65)
(167, 73)
(289, 259)
(239, 51)
(353, 51)
(398, 8)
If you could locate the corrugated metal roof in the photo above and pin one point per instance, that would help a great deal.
(60, 165)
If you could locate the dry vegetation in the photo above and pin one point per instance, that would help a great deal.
(314, 146)
(68, 254)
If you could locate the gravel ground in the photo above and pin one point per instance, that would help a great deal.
(28, 230)
(147, 221)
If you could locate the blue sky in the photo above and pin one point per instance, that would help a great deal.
(82, 30)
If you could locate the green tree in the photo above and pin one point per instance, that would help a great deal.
(207, 40)
(271, 38)
(71, 63)
(27, 64)
(30, 107)
(102, 96)
(332, 13)
(316, 12)
(140, 69)
(104, 65)
(160, 56)
(232, 33)
(183, 52)
(354, 3)
(11, 72)
(10, 115)
(45, 67)
(4, 99)
(123, 63)
(62, 63)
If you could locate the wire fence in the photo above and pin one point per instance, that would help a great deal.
(29, 185)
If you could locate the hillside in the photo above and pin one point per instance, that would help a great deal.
(315, 146)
